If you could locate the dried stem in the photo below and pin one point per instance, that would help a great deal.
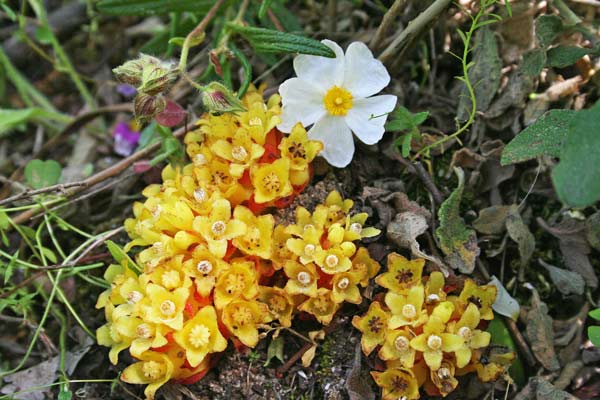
(388, 18)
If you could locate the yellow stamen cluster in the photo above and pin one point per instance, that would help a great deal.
(211, 266)
(425, 334)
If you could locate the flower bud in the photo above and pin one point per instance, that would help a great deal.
(131, 71)
(157, 78)
(217, 98)
(146, 107)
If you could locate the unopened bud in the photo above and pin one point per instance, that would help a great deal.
(146, 107)
(131, 72)
(158, 78)
(217, 98)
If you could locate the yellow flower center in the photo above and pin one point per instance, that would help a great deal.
(465, 332)
(204, 267)
(235, 283)
(443, 373)
(401, 344)
(321, 304)
(242, 316)
(199, 336)
(434, 342)
(277, 304)
(134, 296)
(256, 121)
(338, 101)
(343, 283)
(200, 160)
(200, 195)
(239, 153)
(157, 211)
(152, 370)
(304, 278)
(271, 182)
(309, 249)
(167, 308)
(356, 228)
(331, 261)
(143, 331)
(170, 279)
(218, 228)
(409, 311)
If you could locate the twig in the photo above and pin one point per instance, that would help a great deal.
(570, 17)
(420, 171)
(61, 187)
(101, 176)
(275, 20)
(414, 28)
(520, 341)
(388, 18)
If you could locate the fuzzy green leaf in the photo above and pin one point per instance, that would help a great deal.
(595, 314)
(264, 7)
(594, 335)
(563, 56)
(152, 7)
(577, 176)
(458, 242)
(533, 62)
(11, 119)
(547, 28)
(40, 174)
(275, 350)
(271, 41)
(544, 137)
(119, 255)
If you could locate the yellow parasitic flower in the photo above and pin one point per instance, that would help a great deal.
(239, 281)
(335, 259)
(494, 365)
(397, 347)
(280, 253)
(364, 266)
(299, 149)
(482, 296)
(217, 176)
(153, 369)
(344, 288)
(407, 309)
(322, 307)
(434, 341)
(302, 278)
(279, 302)
(444, 378)
(306, 246)
(241, 152)
(434, 289)
(165, 307)
(271, 181)
(355, 228)
(305, 221)
(397, 383)
(402, 274)
(218, 227)
(108, 335)
(258, 237)
(200, 336)
(373, 325)
(473, 338)
(242, 317)
(204, 267)
(337, 207)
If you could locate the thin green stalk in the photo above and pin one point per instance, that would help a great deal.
(61, 55)
(41, 387)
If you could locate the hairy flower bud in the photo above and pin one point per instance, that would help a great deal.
(131, 71)
(217, 98)
(146, 106)
(158, 78)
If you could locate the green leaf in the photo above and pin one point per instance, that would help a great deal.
(275, 350)
(49, 254)
(9, 12)
(544, 137)
(533, 62)
(520, 234)
(271, 41)
(10, 266)
(501, 337)
(485, 74)
(403, 119)
(547, 28)
(40, 174)
(11, 119)
(458, 242)
(44, 35)
(595, 314)
(152, 7)
(177, 41)
(567, 282)
(119, 255)
(563, 56)
(577, 176)
(264, 6)
(594, 335)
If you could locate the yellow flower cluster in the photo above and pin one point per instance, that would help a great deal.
(212, 267)
(424, 334)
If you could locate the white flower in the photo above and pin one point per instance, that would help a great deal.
(333, 94)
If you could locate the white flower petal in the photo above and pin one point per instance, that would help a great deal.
(302, 102)
(370, 130)
(338, 144)
(322, 72)
(364, 75)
